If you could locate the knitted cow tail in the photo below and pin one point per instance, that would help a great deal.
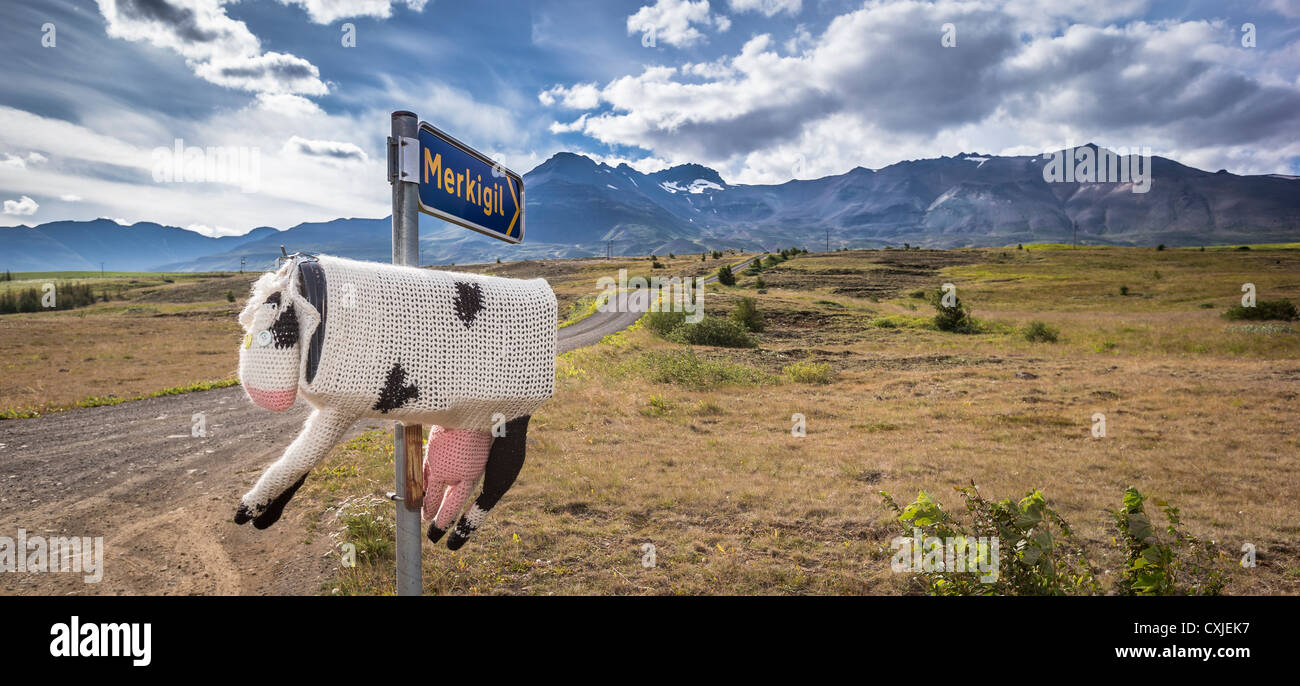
(504, 463)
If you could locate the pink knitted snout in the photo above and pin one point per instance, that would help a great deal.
(453, 462)
(272, 400)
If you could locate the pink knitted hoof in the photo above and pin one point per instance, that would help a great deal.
(453, 461)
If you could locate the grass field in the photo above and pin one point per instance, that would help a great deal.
(646, 442)
(693, 453)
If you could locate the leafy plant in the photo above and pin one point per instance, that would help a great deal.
(808, 372)
(747, 315)
(1282, 309)
(710, 330)
(1039, 332)
(1038, 553)
(1175, 563)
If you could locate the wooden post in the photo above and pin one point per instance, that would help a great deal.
(414, 468)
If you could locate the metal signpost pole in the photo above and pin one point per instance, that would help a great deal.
(407, 439)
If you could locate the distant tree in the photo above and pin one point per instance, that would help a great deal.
(1160, 247)
(725, 277)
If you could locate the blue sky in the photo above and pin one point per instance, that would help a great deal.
(762, 90)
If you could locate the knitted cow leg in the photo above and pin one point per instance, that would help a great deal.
(265, 503)
(453, 462)
(504, 463)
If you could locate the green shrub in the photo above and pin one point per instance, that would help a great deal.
(747, 315)
(1123, 290)
(808, 372)
(1039, 332)
(710, 330)
(725, 277)
(230, 296)
(684, 368)
(955, 319)
(1282, 309)
(663, 323)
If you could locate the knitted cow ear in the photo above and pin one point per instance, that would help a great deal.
(308, 316)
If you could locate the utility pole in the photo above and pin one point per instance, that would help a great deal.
(828, 240)
(1076, 235)
(241, 265)
(609, 250)
(101, 270)
(408, 439)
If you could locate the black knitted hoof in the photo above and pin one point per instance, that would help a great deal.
(435, 534)
(273, 511)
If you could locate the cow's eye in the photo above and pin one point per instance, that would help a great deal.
(264, 338)
(285, 328)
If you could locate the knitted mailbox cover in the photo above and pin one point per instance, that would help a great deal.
(464, 353)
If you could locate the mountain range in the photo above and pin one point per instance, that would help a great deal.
(578, 207)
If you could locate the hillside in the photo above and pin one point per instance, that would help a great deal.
(578, 207)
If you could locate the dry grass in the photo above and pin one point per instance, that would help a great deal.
(733, 503)
(1198, 411)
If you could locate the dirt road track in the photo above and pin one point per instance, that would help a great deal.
(163, 499)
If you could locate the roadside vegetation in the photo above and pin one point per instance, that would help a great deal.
(690, 447)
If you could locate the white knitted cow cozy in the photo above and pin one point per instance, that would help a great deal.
(461, 352)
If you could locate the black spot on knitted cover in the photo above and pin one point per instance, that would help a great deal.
(285, 328)
(396, 392)
(469, 301)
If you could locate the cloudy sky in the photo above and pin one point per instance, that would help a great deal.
(761, 90)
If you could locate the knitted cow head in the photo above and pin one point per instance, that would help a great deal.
(276, 320)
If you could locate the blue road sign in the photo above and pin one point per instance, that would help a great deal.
(461, 185)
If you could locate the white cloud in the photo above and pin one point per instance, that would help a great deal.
(70, 197)
(767, 7)
(271, 72)
(876, 87)
(21, 161)
(213, 231)
(673, 21)
(22, 206)
(582, 96)
(294, 106)
(327, 11)
(330, 150)
(218, 48)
